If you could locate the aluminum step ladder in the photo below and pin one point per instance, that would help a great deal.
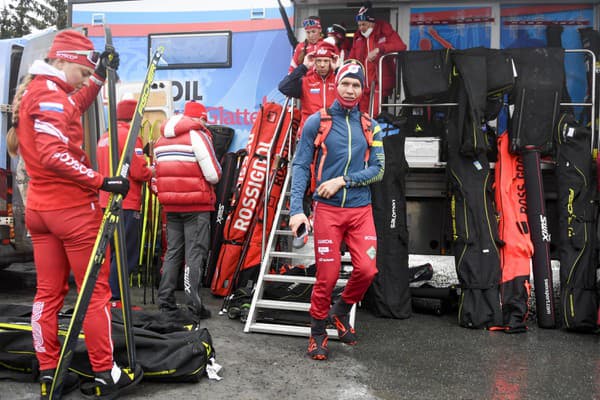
(279, 233)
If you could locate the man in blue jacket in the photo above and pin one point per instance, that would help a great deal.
(349, 160)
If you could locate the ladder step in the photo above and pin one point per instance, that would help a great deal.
(298, 279)
(283, 305)
(281, 329)
(289, 254)
(284, 232)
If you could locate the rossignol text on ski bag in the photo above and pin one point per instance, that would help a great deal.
(241, 222)
(230, 164)
(577, 216)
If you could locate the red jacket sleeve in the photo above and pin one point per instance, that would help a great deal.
(51, 137)
(392, 40)
(139, 170)
(85, 96)
(139, 167)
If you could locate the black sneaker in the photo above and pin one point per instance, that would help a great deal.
(346, 333)
(204, 312)
(317, 347)
(105, 387)
(71, 382)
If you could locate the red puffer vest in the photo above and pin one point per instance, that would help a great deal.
(186, 166)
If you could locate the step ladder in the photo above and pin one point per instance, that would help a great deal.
(281, 234)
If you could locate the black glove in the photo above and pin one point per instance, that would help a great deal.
(116, 184)
(108, 59)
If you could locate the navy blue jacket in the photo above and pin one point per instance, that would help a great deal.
(346, 148)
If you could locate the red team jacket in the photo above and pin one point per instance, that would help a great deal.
(51, 139)
(186, 166)
(314, 91)
(138, 172)
(387, 40)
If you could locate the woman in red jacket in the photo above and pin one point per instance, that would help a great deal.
(63, 215)
(373, 39)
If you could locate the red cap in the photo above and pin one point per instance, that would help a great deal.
(67, 43)
(325, 49)
(195, 110)
(126, 109)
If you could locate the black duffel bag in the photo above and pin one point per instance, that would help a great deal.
(426, 75)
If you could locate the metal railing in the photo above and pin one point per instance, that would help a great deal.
(400, 88)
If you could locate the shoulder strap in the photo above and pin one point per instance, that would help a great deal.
(319, 143)
(324, 127)
(367, 128)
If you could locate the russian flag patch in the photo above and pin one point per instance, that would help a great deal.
(49, 106)
(315, 90)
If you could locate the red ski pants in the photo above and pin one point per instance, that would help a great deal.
(63, 241)
(332, 226)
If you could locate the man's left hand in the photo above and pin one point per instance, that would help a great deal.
(331, 187)
(372, 56)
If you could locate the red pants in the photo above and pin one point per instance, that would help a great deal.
(63, 241)
(356, 228)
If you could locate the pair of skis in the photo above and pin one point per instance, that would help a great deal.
(110, 222)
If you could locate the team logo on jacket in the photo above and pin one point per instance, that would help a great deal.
(323, 250)
(371, 252)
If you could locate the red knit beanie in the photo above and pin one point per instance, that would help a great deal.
(74, 47)
(195, 110)
(325, 49)
(126, 109)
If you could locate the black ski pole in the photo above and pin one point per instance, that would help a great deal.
(288, 27)
(119, 239)
(107, 228)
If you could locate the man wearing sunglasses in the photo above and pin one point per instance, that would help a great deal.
(312, 27)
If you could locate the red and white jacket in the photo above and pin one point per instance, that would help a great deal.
(138, 170)
(186, 166)
(295, 61)
(386, 39)
(315, 92)
(51, 139)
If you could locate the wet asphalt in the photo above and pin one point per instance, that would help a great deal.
(423, 357)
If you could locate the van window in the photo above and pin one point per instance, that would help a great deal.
(192, 50)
